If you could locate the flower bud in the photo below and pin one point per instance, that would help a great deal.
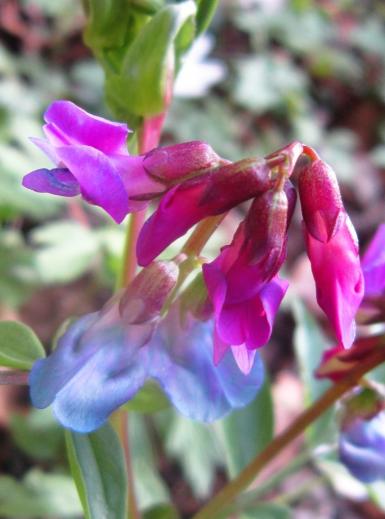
(231, 184)
(180, 160)
(206, 195)
(144, 298)
(266, 228)
(322, 207)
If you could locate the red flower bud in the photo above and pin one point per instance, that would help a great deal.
(321, 203)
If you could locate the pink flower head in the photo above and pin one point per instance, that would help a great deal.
(242, 282)
(332, 247)
(209, 194)
(92, 160)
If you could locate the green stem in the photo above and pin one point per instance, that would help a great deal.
(280, 442)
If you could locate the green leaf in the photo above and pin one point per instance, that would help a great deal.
(149, 487)
(38, 434)
(200, 459)
(247, 431)
(39, 495)
(148, 400)
(205, 12)
(97, 465)
(310, 344)
(139, 88)
(19, 346)
(66, 251)
(268, 511)
(161, 512)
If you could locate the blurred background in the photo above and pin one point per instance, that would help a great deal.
(265, 73)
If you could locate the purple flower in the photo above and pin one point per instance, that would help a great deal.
(104, 358)
(362, 448)
(373, 265)
(242, 282)
(332, 247)
(91, 158)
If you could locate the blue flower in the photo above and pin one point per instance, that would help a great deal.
(101, 362)
(362, 448)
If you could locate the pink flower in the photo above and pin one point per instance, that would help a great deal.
(209, 194)
(332, 247)
(242, 282)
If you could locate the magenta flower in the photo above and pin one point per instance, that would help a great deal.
(242, 282)
(332, 247)
(209, 194)
(91, 159)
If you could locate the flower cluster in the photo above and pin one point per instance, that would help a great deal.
(152, 330)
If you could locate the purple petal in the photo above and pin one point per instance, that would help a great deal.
(79, 127)
(46, 148)
(373, 264)
(55, 181)
(99, 181)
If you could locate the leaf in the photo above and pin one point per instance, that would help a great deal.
(161, 512)
(200, 459)
(97, 465)
(66, 251)
(19, 346)
(140, 87)
(149, 487)
(268, 511)
(205, 12)
(247, 431)
(310, 344)
(39, 495)
(38, 434)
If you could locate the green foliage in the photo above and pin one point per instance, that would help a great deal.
(200, 460)
(66, 251)
(19, 346)
(38, 434)
(149, 487)
(39, 495)
(247, 431)
(140, 87)
(161, 512)
(97, 466)
(268, 511)
(310, 343)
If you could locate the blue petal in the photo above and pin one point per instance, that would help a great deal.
(365, 463)
(183, 365)
(98, 365)
(57, 181)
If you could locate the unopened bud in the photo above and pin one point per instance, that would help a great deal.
(322, 207)
(175, 162)
(144, 298)
(266, 228)
(231, 184)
